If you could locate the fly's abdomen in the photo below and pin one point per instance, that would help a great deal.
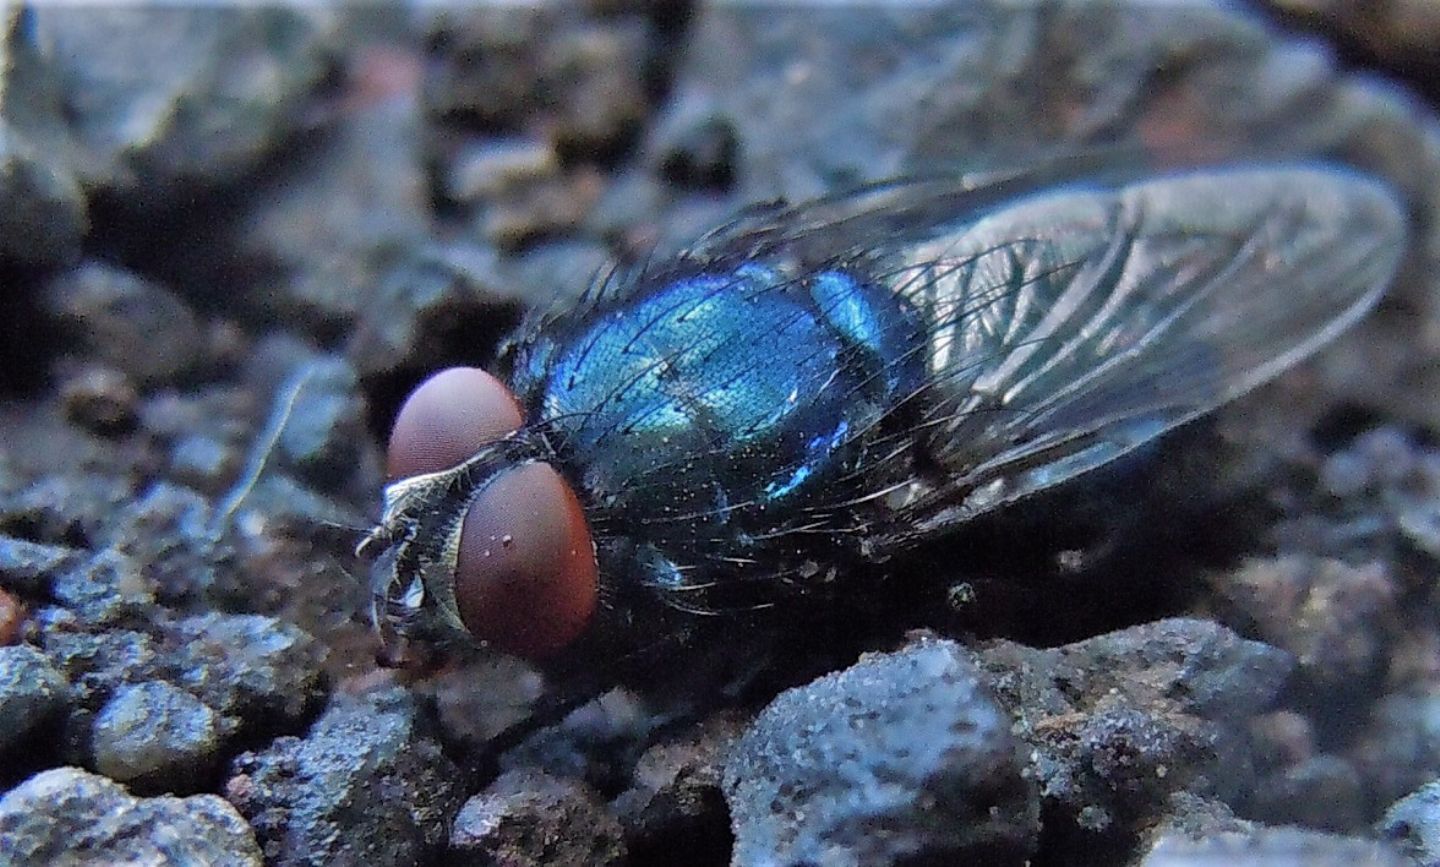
(724, 394)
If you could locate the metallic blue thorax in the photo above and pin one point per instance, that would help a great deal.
(721, 398)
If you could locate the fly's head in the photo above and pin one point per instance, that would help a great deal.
(481, 537)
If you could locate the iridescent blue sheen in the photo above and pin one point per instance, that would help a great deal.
(716, 395)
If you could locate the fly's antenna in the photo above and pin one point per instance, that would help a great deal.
(260, 453)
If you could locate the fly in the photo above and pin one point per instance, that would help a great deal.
(833, 383)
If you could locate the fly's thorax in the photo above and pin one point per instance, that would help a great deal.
(731, 391)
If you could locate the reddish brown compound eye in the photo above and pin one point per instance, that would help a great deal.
(526, 579)
(447, 419)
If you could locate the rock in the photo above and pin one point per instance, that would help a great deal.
(702, 156)
(582, 81)
(33, 696)
(165, 532)
(1324, 792)
(1413, 824)
(427, 306)
(676, 791)
(68, 816)
(904, 756)
(263, 675)
(43, 217)
(325, 424)
(327, 224)
(1335, 618)
(547, 208)
(530, 818)
(28, 568)
(203, 462)
(161, 100)
(65, 508)
(156, 738)
(127, 323)
(101, 400)
(1398, 750)
(109, 589)
(477, 699)
(1400, 33)
(1271, 847)
(1119, 721)
(367, 785)
(97, 663)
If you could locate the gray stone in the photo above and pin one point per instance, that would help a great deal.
(367, 785)
(28, 568)
(42, 206)
(1413, 824)
(261, 674)
(126, 322)
(1334, 617)
(530, 819)
(1271, 847)
(324, 423)
(70, 817)
(676, 790)
(1119, 721)
(109, 589)
(430, 299)
(97, 663)
(327, 226)
(159, 98)
(203, 462)
(1399, 749)
(156, 738)
(165, 532)
(32, 695)
(902, 756)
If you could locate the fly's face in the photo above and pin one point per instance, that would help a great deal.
(481, 536)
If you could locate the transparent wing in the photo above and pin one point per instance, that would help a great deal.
(1067, 328)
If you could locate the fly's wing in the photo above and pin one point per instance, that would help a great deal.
(1064, 329)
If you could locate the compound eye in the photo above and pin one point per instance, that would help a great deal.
(526, 579)
(447, 419)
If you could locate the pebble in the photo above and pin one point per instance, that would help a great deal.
(33, 695)
(70, 816)
(155, 738)
(530, 819)
(902, 757)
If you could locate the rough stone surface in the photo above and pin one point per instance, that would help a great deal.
(323, 431)
(904, 755)
(1413, 824)
(327, 225)
(1272, 847)
(530, 819)
(676, 791)
(367, 785)
(67, 816)
(44, 215)
(108, 589)
(261, 674)
(1119, 721)
(28, 568)
(159, 98)
(1332, 616)
(156, 737)
(33, 695)
(126, 322)
(1398, 751)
